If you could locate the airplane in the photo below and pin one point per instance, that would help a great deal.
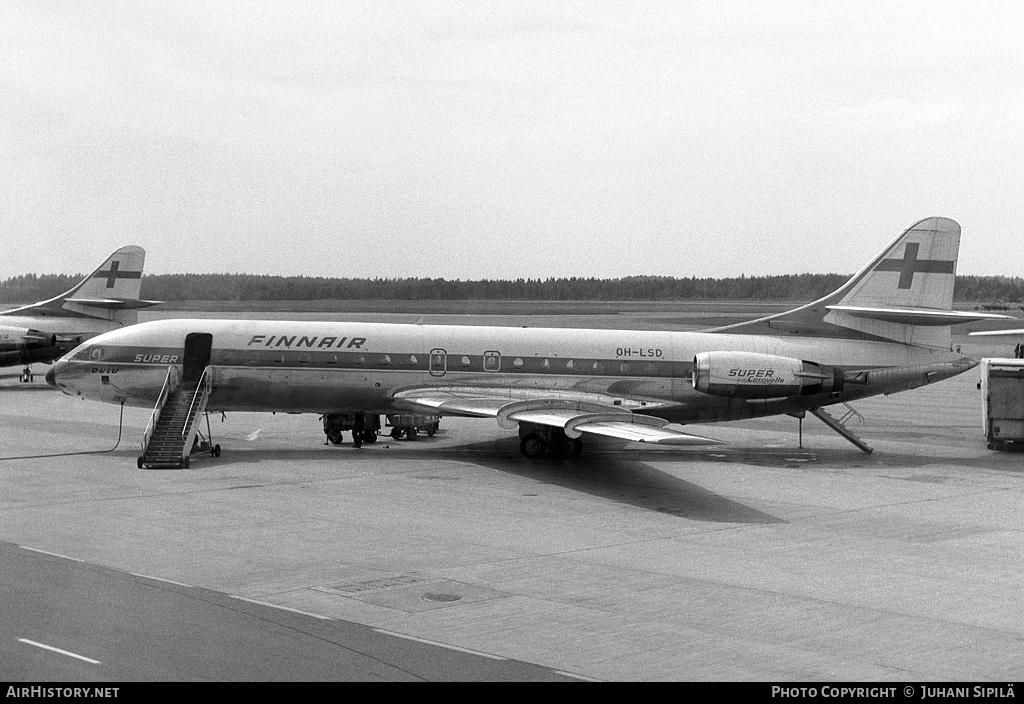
(105, 300)
(885, 330)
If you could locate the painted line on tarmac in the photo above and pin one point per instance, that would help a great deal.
(575, 676)
(58, 650)
(283, 608)
(51, 554)
(440, 645)
(161, 579)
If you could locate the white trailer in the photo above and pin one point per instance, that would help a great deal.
(1002, 391)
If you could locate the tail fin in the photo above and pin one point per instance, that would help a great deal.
(904, 294)
(111, 292)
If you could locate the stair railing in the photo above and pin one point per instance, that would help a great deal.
(202, 390)
(195, 408)
(170, 383)
(851, 412)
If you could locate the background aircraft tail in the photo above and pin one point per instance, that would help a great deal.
(905, 294)
(111, 292)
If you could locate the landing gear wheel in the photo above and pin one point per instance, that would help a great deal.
(216, 451)
(370, 436)
(532, 446)
(572, 447)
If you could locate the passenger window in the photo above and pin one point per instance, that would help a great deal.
(518, 363)
(464, 361)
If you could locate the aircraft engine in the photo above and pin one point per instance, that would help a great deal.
(24, 338)
(755, 375)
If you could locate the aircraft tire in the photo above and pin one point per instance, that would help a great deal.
(532, 446)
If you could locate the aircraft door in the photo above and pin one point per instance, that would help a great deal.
(438, 362)
(198, 346)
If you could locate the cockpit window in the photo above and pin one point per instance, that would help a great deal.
(92, 352)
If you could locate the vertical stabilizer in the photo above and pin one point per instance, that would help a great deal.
(111, 292)
(905, 294)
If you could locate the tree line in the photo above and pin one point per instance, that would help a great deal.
(250, 287)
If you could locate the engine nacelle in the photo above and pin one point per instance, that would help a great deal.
(24, 338)
(755, 375)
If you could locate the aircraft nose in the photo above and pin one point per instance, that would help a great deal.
(51, 375)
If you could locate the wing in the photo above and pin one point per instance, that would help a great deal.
(574, 414)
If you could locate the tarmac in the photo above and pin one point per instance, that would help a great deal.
(758, 560)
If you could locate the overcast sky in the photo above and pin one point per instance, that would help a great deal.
(501, 139)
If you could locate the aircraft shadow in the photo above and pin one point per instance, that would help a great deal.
(599, 472)
(620, 478)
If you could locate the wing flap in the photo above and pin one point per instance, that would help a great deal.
(645, 434)
(452, 404)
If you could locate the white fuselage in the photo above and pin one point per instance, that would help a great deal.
(328, 367)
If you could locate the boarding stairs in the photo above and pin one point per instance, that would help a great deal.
(839, 425)
(174, 426)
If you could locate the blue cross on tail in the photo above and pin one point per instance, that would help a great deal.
(910, 265)
(115, 273)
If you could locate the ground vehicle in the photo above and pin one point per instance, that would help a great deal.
(408, 425)
(337, 423)
(1002, 387)
(411, 424)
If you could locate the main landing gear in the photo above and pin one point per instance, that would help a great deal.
(537, 441)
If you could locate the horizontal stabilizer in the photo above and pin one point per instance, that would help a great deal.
(916, 316)
(113, 303)
(998, 333)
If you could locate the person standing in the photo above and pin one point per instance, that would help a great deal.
(357, 430)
